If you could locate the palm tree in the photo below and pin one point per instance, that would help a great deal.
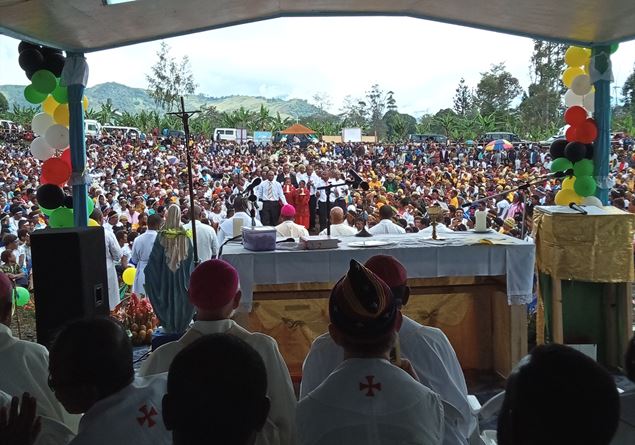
(91, 113)
(278, 123)
(262, 118)
(446, 121)
(244, 118)
(107, 112)
(22, 115)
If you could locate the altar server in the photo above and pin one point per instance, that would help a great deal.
(428, 349)
(214, 291)
(24, 364)
(141, 250)
(366, 399)
(91, 372)
(288, 228)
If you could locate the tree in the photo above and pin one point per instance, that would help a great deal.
(446, 119)
(354, 113)
(107, 112)
(399, 125)
(322, 100)
(4, 104)
(463, 100)
(391, 103)
(262, 118)
(377, 102)
(278, 123)
(496, 90)
(628, 93)
(169, 79)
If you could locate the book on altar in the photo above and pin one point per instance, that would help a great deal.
(319, 242)
(591, 210)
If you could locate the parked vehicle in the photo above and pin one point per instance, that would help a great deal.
(92, 127)
(419, 138)
(7, 126)
(129, 132)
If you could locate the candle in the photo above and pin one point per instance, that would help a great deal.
(481, 221)
(237, 226)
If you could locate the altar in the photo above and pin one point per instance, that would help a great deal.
(475, 287)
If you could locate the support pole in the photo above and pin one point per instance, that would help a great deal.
(602, 114)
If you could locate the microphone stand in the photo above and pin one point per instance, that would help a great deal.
(364, 233)
(327, 189)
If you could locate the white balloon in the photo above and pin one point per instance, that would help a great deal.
(589, 102)
(581, 85)
(592, 201)
(40, 123)
(57, 136)
(41, 150)
(571, 99)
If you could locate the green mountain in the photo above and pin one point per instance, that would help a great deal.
(133, 100)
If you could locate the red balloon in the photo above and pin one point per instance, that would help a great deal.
(66, 157)
(56, 171)
(587, 131)
(575, 115)
(571, 134)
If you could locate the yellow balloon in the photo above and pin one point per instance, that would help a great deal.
(92, 223)
(567, 184)
(85, 103)
(49, 105)
(576, 56)
(566, 196)
(61, 115)
(128, 275)
(570, 74)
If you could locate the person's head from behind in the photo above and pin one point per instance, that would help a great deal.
(214, 290)
(217, 393)
(89, 361)
(364, 316)
(6, 300)
(558, 395)
(337, 215)
(386, 212)
(393, 273)
(155, 221)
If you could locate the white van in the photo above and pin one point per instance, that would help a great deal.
(225, 134)
(129, 132)
(7, 126)
(92, 127)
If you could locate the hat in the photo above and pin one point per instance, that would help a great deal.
(388, 269)
(352, 209)
(213, 284)
(361, 304)
(510, 222)
(287, 211)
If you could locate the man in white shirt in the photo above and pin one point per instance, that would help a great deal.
(271, 194)
(339, 226)
(113, 256)
(206, 239)
(214, 291)
(24, 364)
(287, 228)
(385, 226)
(427, 348)
(141, 250)
(231, 227)
(322, 181)
(367, 399)
(100, 382)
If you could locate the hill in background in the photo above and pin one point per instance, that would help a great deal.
(133, 100)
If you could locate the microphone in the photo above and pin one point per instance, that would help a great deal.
(577, 208)
(358, 182)
(255, 183)
(563, 174)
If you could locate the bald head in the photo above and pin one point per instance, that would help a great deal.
(6, 292)
(337, 215)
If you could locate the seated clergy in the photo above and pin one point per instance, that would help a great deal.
(288, 228)
(367, 399)
(339, 226)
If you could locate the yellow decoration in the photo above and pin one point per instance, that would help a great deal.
(566, 196)
(61, 115)
(576, 56)
(567, 184)
(49, 105)
(92, 223)
(85, 103)
(129, 275)
(571, 73)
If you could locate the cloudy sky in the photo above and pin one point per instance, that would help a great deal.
(421, 61)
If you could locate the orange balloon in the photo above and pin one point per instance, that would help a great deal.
(571, 134)
(56, 171)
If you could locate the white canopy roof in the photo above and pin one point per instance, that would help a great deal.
(89, 25)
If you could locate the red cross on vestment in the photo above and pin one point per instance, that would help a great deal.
(147, 416)
(370, 386)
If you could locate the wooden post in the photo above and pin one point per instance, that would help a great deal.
(557, 334)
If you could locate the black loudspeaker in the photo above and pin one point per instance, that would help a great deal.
(69, 277)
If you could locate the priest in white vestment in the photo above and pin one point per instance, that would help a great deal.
(206, 239)
(231, 227)
(141, 250)
(385, 226)
(339, 226)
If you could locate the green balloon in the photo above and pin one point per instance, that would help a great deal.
(61, 218)
(47, 212)
(33, 96)
(44, 81)
(60, 94)
(614, 47)
(583, 168)
(584, 185)
(561, 164)
(21, 296)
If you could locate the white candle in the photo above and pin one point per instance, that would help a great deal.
(237, 226)
(481, 221)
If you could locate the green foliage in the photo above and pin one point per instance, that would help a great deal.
(399, 125)
(628, 93)
(169, 79)
(463, 99)
(21, 115)
(496, 90)
(4, 104)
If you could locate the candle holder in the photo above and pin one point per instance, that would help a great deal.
(435, 213)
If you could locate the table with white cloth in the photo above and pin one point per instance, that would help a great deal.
(474, 286)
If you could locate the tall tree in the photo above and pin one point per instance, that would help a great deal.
(322, 100)
(354, 112)
(169, 79)
(4, 104)
(376, 108)
(463, 100)
(628, 93)
(391, 103)
(496, 90)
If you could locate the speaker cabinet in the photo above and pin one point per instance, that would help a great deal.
(69, 277)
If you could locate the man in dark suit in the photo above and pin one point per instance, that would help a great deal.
(444, 155)
(286, 173)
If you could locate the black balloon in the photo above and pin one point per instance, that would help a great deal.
(31, 60)
(575, 151)
(47, 50)
(27, 45)
(557, 148)
(50, 196)
(68, 202)
(54, 62)
(589, 151)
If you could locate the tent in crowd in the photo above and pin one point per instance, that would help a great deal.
(298, 129)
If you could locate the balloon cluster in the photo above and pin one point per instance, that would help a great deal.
(574, 154)
(43, 66)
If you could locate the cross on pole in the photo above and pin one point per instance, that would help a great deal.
(185, 117)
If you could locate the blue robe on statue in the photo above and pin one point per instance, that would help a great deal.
(168, 290)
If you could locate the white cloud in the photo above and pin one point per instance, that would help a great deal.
(421, 61)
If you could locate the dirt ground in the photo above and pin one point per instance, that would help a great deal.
(23, 323)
